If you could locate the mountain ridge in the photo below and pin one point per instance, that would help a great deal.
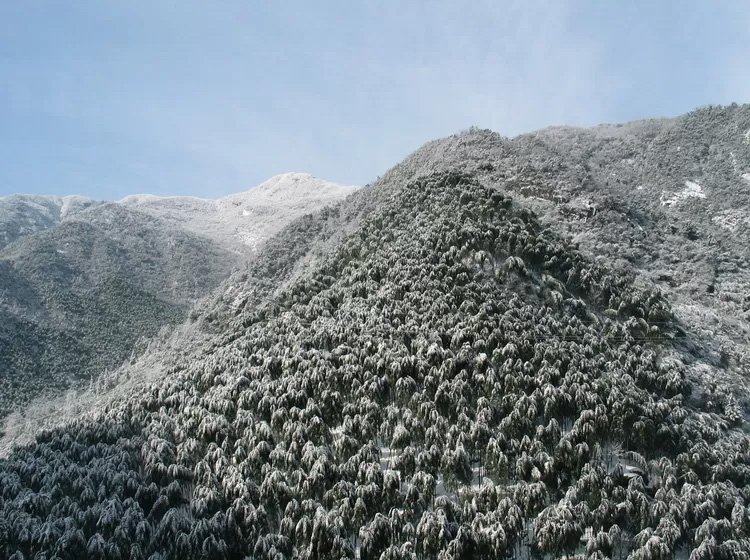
(85, 282)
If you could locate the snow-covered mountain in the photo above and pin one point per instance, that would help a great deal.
(248, 218)
(83, 281)
(25, 214)
(533, 347)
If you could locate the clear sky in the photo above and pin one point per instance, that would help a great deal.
(107, 98)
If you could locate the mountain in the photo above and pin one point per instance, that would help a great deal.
(22, 214)
(244, 219)
(435, 368)
(84, 281)
(666, 199)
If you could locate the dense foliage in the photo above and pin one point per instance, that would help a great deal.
(77, 297)
(27, 214)
(449, 379)
(84, 282)
(616, 189)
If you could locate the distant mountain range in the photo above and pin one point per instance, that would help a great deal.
(82, 281)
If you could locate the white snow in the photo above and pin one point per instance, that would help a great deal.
(387, 458)
(745, 177)
(141, 198)
(248, 218)
(440, 489)
(691, 190)
(746, 137)
(732, 219)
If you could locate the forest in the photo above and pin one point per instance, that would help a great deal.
(448, 378)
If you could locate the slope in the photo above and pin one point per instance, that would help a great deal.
(78, 297)
(244, 219)
(446, 377)
(668, 199)
(23, 214)
(86, 284)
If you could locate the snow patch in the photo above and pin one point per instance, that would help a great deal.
(387, 458)
(746, 138)
(694, 189)
(732, 219)
(745, 177)
(250, 239)
(691, 190)
(147, 198)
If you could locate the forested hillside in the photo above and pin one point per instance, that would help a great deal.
(78, 297)
(668, 199)
(84, 285)
(26, 214)
(425, 371)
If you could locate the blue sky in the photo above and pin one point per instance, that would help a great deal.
(107, 98)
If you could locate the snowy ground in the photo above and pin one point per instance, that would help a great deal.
(733, 220)
(691, 190)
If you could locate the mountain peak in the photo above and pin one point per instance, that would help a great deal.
(297, 185)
